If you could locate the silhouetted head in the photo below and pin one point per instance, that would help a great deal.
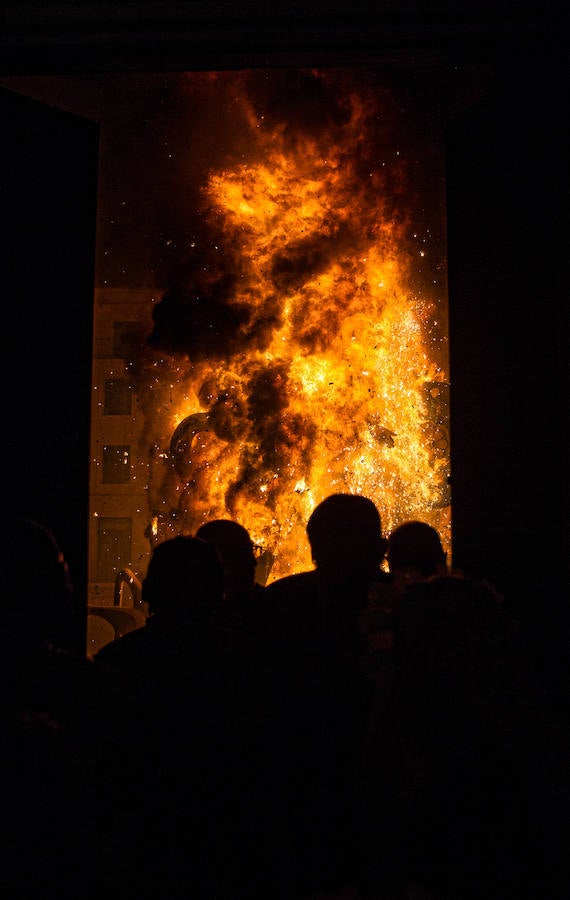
(35, 578)
(415, 551)
(184, 576)
(235, 547)
(345, 535)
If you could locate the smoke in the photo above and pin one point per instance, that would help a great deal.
(204, 310)
(199, 315)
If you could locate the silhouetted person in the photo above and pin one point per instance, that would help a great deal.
(183, 584)
(183, 730)
(48, 840)
(34, 570)
(42, 672)
(460, 782)
(243, 595)
(414, 552)
(315, 647)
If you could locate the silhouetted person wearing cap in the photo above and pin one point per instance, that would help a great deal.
(183, 729)
(322, 693)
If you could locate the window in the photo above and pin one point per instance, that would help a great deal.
(118, 397)
(126, 339)
(116, 464)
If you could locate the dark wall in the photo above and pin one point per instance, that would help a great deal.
(49, 178)
(507, 191)
(507, 184)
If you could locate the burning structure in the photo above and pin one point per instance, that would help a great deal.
(295, 341)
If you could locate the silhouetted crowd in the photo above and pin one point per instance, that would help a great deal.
(371, 729)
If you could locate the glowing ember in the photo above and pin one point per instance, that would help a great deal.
(294, 356)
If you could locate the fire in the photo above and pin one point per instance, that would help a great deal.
(302, 361)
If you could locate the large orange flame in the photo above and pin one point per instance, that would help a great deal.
(340, 384)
